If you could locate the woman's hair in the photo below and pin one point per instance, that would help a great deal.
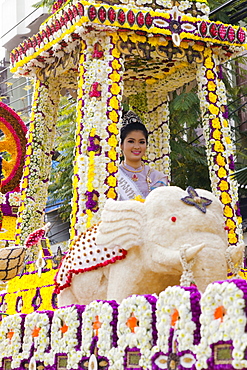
(132, 122)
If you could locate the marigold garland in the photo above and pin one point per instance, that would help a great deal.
(218, 142)
(78, 171)
(34, 183)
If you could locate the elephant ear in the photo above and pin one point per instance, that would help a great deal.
(121, 224)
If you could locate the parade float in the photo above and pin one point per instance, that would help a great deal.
(106, 51)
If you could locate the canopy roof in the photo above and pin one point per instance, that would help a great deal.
(57, 39)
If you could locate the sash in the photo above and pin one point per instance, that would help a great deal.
(127, 188)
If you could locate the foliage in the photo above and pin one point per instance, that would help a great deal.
(188, 158)
(47, 3)
(60, 189)
(231, 14)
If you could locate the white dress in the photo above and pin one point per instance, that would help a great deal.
(142, 182)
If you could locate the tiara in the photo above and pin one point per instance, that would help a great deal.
(131, 117)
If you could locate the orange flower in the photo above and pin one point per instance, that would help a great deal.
(175, 317)
(10, 334)
(64, 328)
(132, 323)
(35, 332)
(219, 313)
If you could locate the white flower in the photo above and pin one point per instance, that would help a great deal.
(3, 198)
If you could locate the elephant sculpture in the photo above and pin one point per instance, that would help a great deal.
(136, 249)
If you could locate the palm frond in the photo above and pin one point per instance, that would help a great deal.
(240, 176)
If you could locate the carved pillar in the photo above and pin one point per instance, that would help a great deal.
(98, 118)
(212, 95)
(36, 171)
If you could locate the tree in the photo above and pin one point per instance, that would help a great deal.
(60, 188)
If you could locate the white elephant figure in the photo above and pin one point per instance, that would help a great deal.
(136, 247)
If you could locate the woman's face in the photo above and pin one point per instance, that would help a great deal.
(134, 148)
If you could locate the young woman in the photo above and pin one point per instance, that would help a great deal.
(136, 178)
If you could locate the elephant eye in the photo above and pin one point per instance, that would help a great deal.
(173, 218)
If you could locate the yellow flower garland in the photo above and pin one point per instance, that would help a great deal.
(75, 182)
(25, 182)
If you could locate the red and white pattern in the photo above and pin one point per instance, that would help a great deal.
(86, 255)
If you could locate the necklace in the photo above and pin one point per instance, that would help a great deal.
(134, 176)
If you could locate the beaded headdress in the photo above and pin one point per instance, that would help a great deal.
(131, 117)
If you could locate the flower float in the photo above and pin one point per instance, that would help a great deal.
(107, 51)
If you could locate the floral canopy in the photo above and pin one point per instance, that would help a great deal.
(107, 50)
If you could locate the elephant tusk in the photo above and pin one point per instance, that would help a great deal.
(190, 251)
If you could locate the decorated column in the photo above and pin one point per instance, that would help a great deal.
(159, 139)
(98, 118)
(37, 165)
(212, 95)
